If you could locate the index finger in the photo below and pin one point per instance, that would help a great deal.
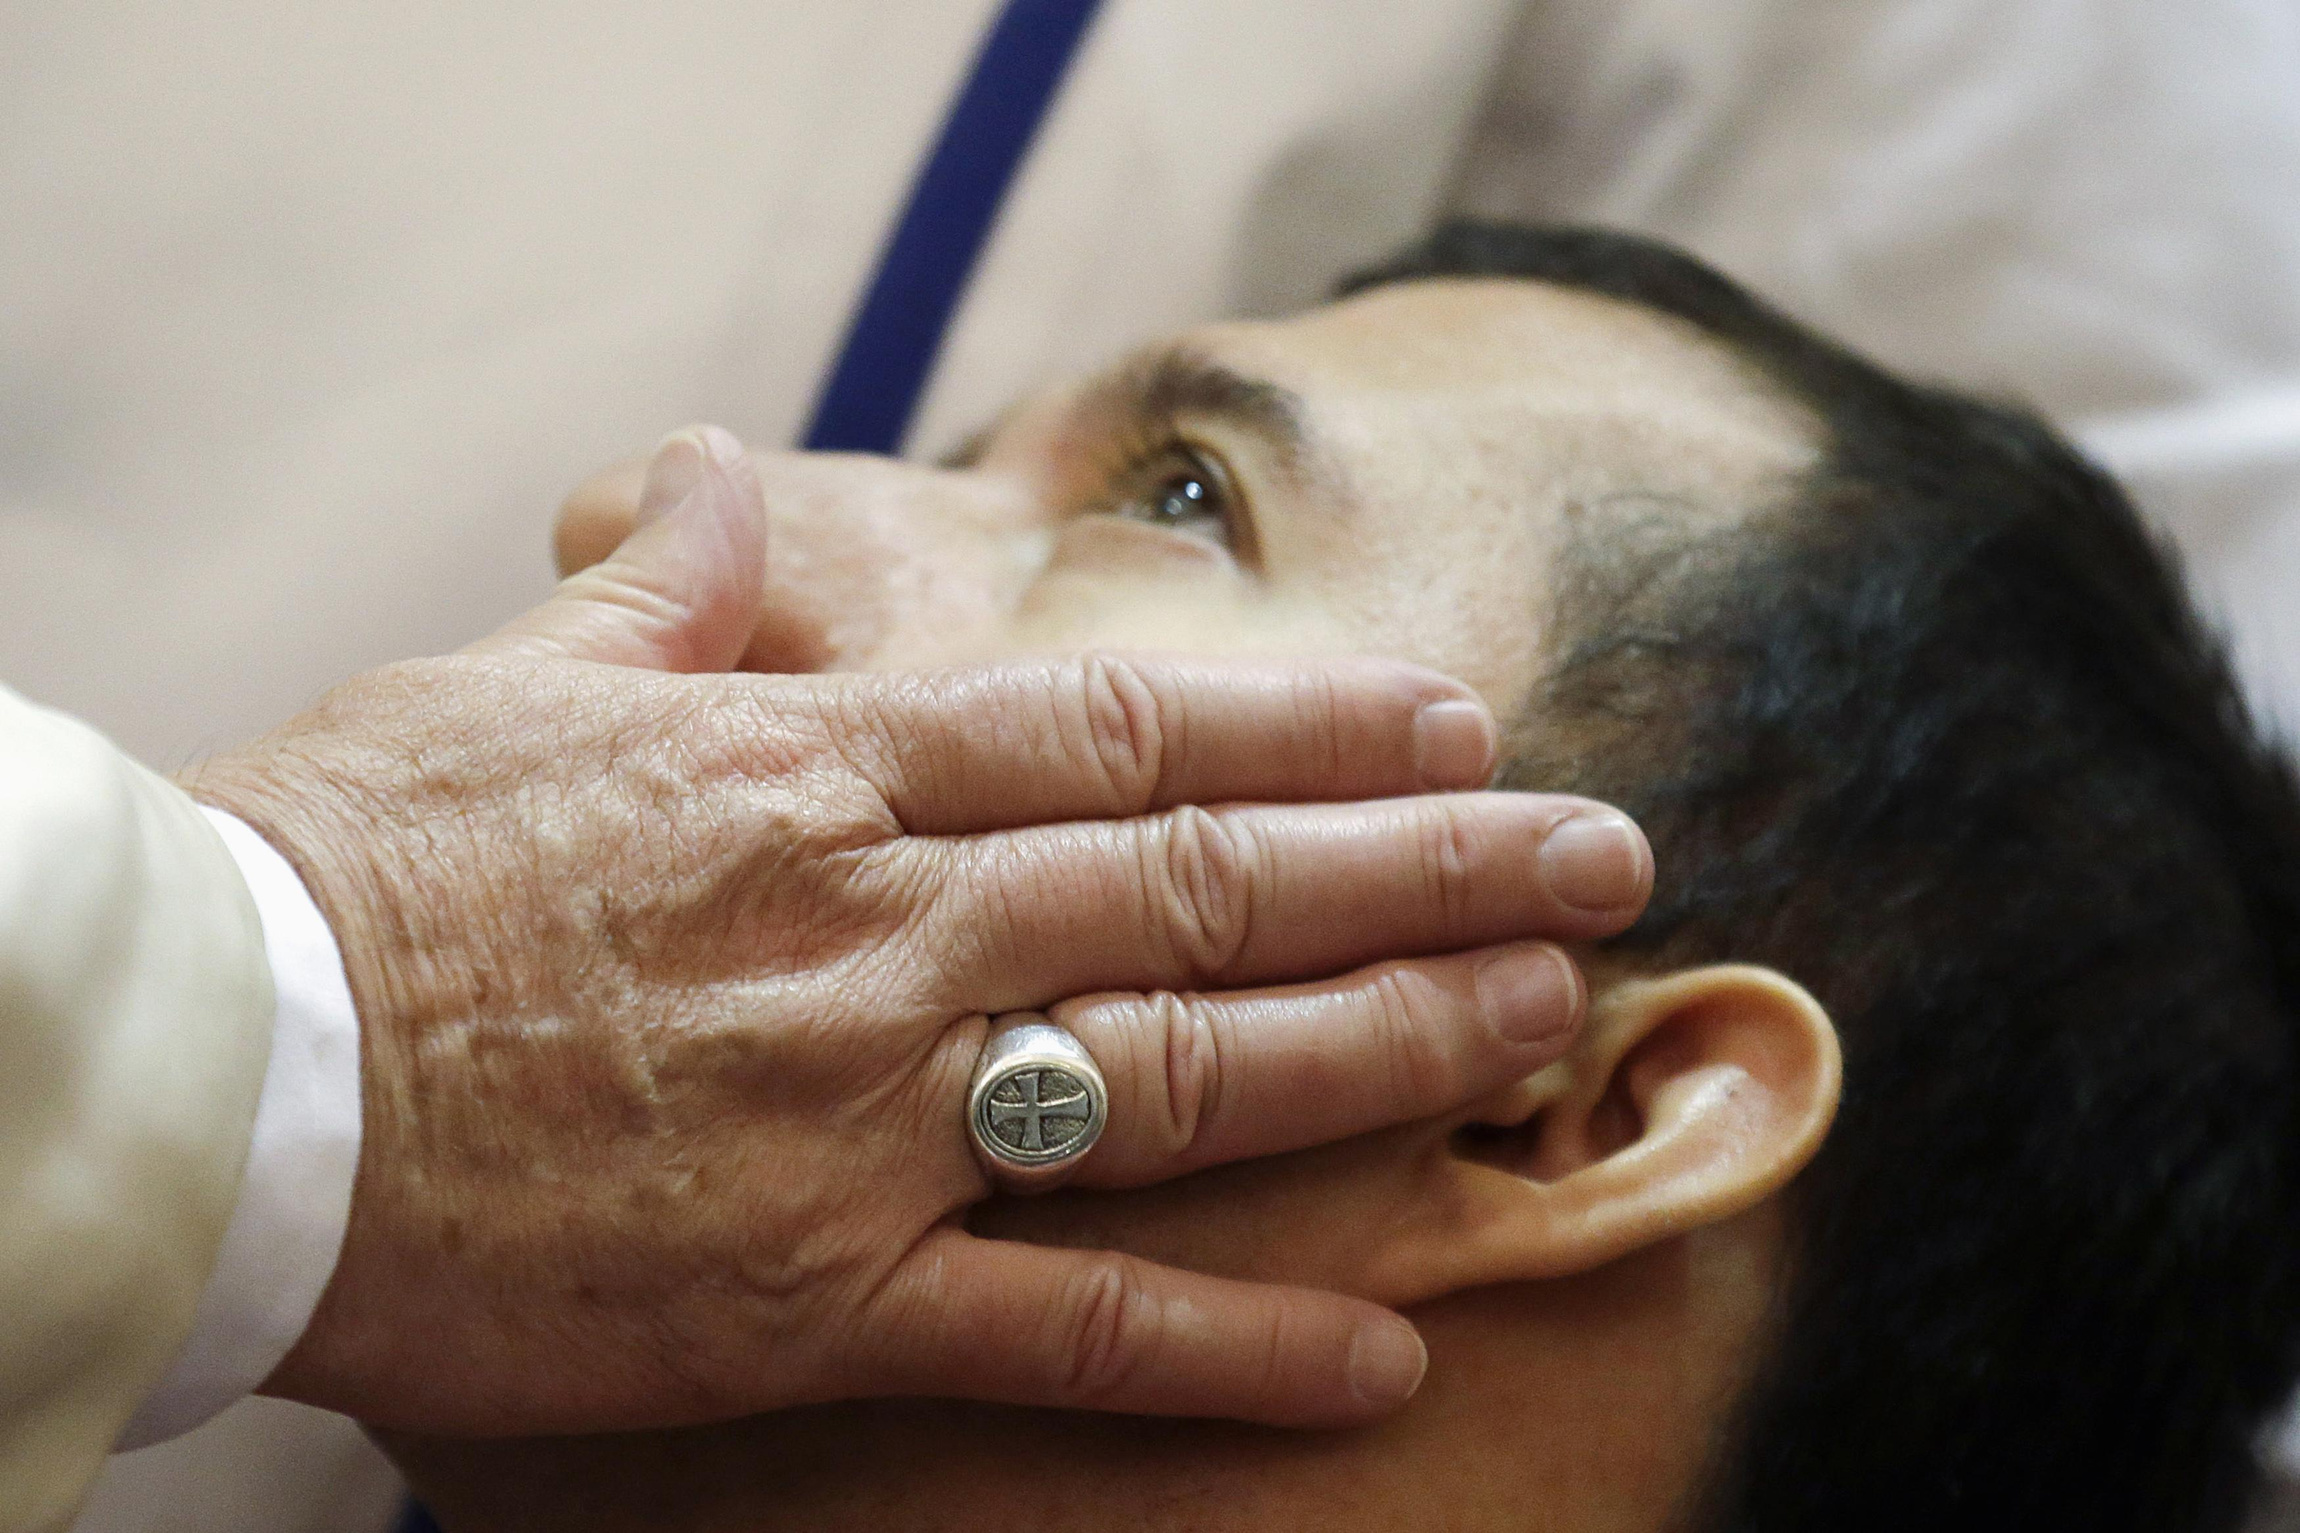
(1106, 737)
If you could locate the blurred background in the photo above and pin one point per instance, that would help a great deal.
(310, 313)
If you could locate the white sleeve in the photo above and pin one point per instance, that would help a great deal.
(295, 1196)
(135, 1026)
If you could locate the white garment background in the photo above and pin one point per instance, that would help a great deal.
(308, 314)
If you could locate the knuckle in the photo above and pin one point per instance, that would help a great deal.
(1108, 1334)
(734, 1287)
(969, 919)
(774, 727)
(1272, 1354)
(903, 1316)
(869, 747)
(1204, 877)
(1194, 1073)
(1409, 1014)
(1327, 741)
(1449, 858)
(1126, 723)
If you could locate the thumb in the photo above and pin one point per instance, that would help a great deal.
(681, 593)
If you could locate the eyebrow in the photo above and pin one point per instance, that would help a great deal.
(1167, 386)
(1154, 394)
(1179, 384)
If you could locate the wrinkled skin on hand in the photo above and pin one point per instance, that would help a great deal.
(670, 986)
(606, 889)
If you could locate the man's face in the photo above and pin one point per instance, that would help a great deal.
(1392, 474)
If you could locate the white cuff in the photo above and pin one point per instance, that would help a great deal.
(295, 1196)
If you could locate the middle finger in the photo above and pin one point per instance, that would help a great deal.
(1255, 894)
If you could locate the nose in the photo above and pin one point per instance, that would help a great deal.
(875, 563)
(871, 563)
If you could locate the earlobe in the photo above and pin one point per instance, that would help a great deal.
(1691, 1097)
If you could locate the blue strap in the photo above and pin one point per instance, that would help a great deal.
(873, 389)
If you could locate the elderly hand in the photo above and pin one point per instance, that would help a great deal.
(670, 987)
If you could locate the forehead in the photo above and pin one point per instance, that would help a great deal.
(1498, 372)
(1480, 333)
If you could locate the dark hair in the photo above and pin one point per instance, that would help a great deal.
(1941, 736)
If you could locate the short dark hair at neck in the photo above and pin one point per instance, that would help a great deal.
(1942, 737)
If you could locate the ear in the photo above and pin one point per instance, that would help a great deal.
(1690, 1098)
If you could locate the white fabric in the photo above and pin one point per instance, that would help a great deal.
(135, 1012)
(295, 1194)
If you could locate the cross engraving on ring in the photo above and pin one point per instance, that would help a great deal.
(1033, 1109)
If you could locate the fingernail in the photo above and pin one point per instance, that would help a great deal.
(1532, 993)
(1453, 743)
(672, 475)
(725, 449)
(1387, 1361)
(1594, 862)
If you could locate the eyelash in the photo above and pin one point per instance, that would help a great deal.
(1145, 470)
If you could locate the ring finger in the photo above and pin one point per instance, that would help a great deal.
(1195, 1080)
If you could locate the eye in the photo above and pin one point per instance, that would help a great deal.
(1177, 488)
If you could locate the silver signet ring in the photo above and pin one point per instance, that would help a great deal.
(1036, 1106)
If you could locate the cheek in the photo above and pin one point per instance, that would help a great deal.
(873, 563)
(1204, 612)
(1461, 603)
(1489, 644)
(909, 595)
